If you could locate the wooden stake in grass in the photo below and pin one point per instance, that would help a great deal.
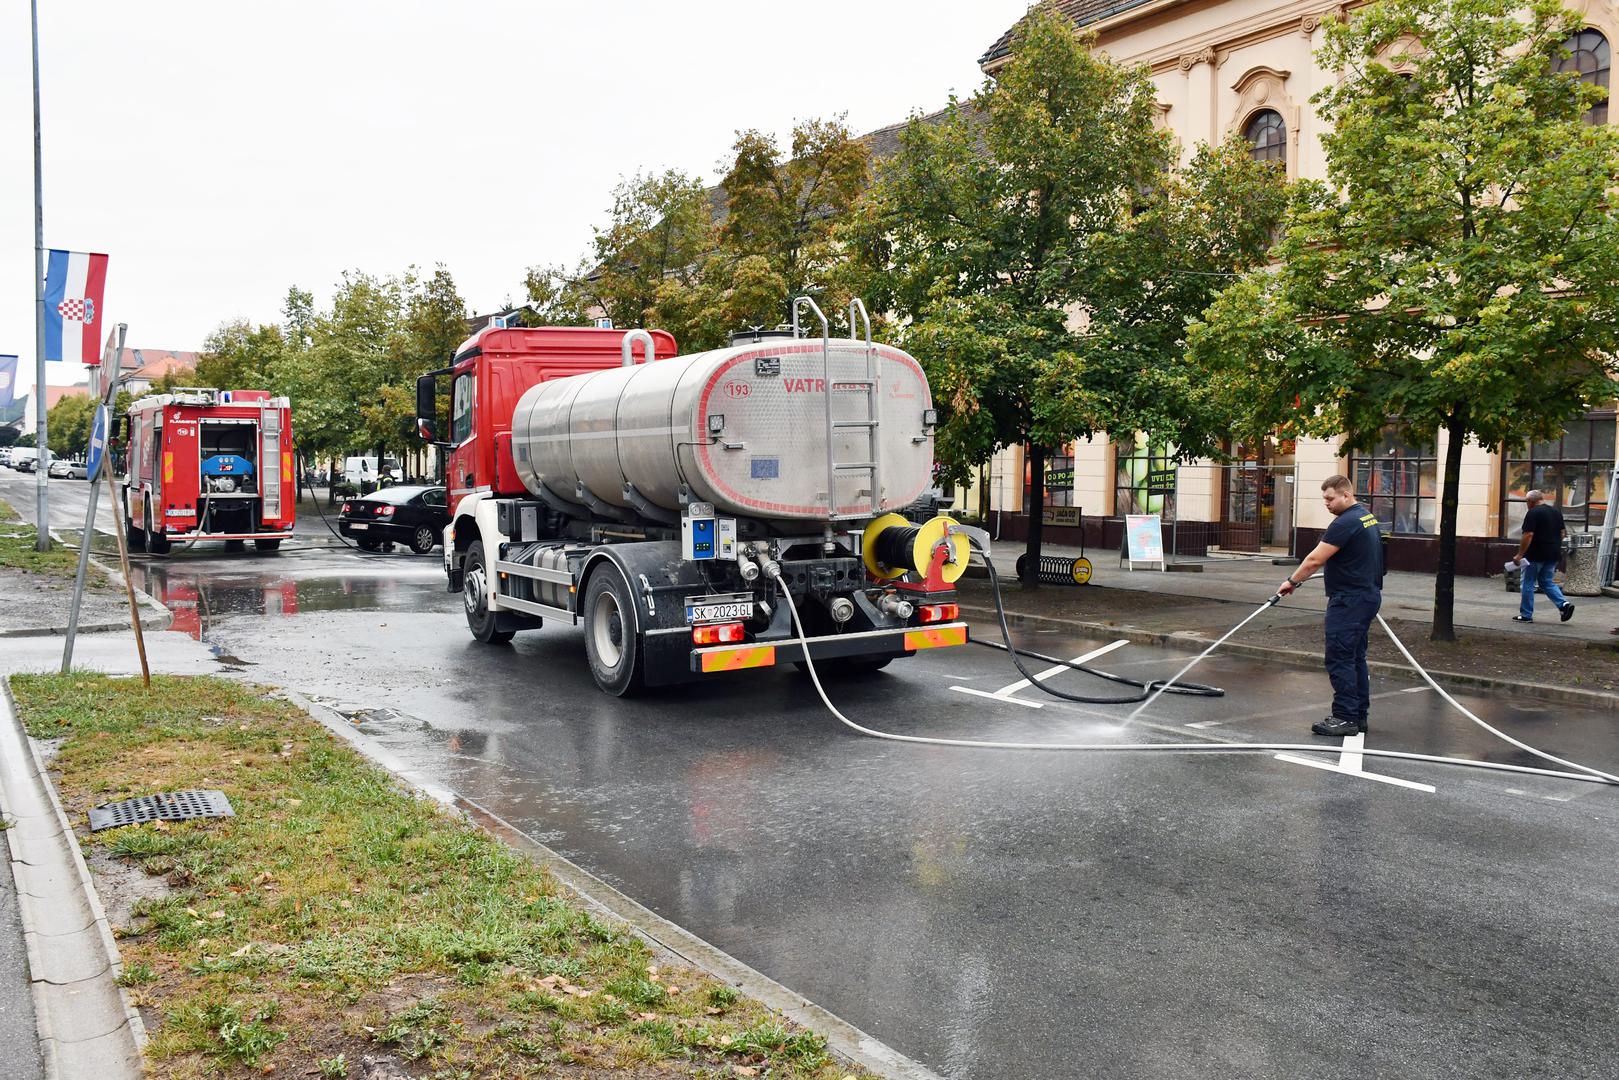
(123, 561)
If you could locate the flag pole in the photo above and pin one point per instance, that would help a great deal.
(42, 521)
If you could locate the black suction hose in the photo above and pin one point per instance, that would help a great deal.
(323, 520)
(1146, 688)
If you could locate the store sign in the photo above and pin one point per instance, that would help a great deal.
(1059, 478)
(1060, 515)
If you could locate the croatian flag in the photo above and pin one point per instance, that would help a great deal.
(74, 282)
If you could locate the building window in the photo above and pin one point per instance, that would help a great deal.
(1143, 478)
(1267, 136)
(1571, 471)
(1059, 477)
(1588, 57)
(1399, 482)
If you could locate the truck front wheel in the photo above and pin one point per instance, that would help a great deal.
(611, 642)
(474, 596)
(156, 542)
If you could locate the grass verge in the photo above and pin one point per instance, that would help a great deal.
(338, 916)
(17, 550)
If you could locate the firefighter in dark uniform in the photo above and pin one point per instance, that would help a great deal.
(1352, 551)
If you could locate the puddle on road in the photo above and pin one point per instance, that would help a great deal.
(200, 596)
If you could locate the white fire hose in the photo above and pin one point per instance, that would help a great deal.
(1584, 772)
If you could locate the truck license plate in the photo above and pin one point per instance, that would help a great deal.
(718, 609)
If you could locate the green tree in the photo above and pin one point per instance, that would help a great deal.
(433, 327)
(786, 210)
(554, 297)
(240, 356)
(354, 352)
(1458, 271)
(999, 230)
(661, 230)
(67, 425)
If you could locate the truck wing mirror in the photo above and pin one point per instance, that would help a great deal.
(427, 408)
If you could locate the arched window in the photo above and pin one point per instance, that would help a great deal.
(1267, 136)
(1588, 56)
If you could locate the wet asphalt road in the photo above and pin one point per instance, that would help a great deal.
(1012, 914)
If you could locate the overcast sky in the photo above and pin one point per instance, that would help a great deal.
(221, 152)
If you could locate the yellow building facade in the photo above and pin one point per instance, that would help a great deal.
(1224, 68)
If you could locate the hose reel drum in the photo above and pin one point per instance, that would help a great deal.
(893, 545)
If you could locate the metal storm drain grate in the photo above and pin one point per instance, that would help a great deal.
(165, 806)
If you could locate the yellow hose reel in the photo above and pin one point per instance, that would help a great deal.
(892, 545)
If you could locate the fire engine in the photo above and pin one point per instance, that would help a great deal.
(206, 464)
(698, 514)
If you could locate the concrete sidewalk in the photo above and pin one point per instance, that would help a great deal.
(1482, 603)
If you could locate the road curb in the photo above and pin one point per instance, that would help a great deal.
(843, 1039)
(1539, 692)
(87, 1025)
(84, 628)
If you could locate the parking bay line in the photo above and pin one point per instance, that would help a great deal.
(1349, 764)
(1005, 693)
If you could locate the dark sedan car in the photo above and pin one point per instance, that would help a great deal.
(414, 516)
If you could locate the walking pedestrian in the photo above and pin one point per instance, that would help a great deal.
(1541, 547)
(1352, 551)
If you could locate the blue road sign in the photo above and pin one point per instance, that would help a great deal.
(98, 444)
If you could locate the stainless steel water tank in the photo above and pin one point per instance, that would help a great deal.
(764, 455)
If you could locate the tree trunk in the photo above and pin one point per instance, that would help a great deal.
(1035, 506)
(1444, 588)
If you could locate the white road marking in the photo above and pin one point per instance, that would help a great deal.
(1415, 690)
(997, 697)
(1349, 764)
(1207, 723)
(1005, 693)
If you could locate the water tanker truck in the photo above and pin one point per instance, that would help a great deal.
(698, 514)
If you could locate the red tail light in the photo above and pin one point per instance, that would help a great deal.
(345, 509)
(718, 634)
(939, 612)
(385, 511)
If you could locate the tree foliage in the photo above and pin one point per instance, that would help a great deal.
(349, 370)
(1047, 258)
(659, 234)
(67, 425)
(1459, 270)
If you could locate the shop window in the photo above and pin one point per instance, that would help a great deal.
(1267, 136)
(1399, 482)
(1059, 478)
(1572, 471)
(1143, 478)
(1589, 58)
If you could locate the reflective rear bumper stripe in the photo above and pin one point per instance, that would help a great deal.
(936, 639)
(744, 656)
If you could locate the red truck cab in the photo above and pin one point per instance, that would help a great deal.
(491, 370)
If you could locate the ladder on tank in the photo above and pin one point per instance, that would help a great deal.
(871, 387)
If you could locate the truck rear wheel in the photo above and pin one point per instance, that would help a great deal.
(267, 545)
(611, 642)
(474, 597)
